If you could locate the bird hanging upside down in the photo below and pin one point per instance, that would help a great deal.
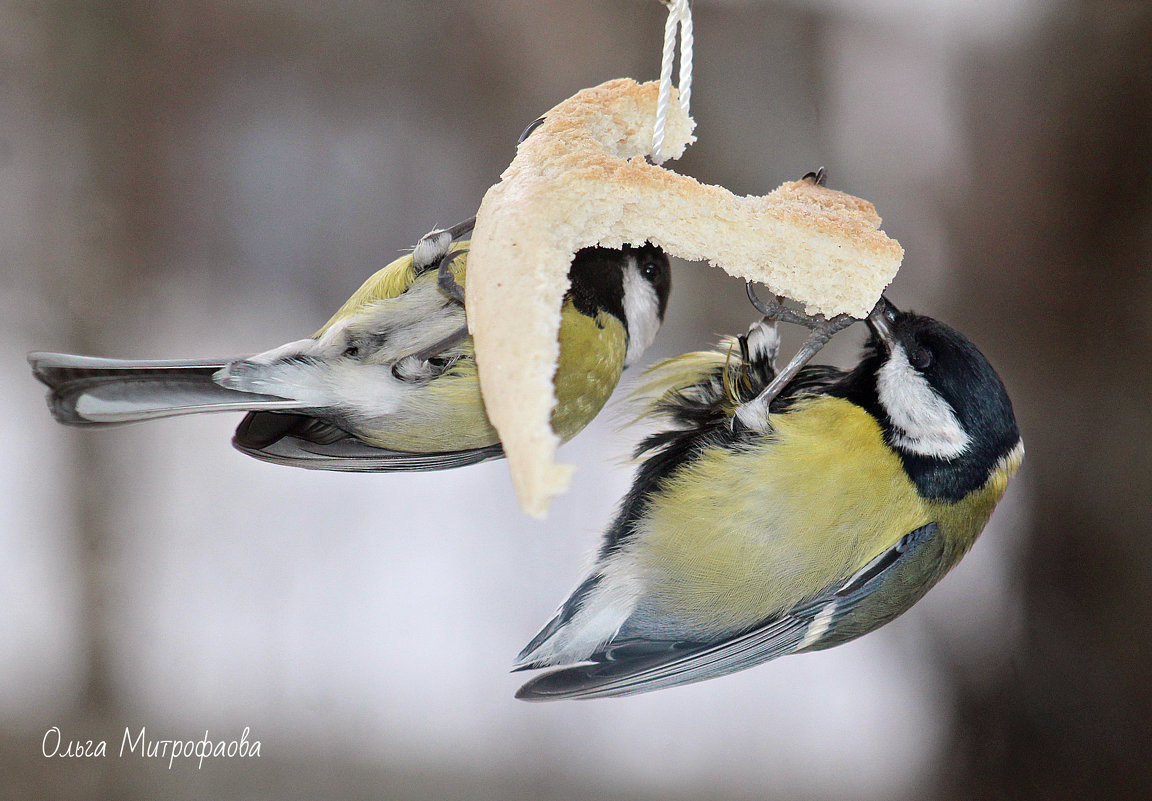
(757, 530)
(389, 383)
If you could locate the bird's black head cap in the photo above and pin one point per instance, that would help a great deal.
(940, 403)
(598, 280)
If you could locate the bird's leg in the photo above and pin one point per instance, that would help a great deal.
(776, 310)
(447, 280)
(433, 249)
(435, 349)
(758, 349)
(424, 364)
(430, 250)
(754, 413)
(465, 227)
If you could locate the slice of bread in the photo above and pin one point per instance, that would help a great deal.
(581, 179)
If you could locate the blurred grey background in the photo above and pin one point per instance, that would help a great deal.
(213, 178)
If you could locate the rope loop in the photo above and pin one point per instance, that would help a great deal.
(679, 17)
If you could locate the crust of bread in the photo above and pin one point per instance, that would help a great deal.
(581, 179)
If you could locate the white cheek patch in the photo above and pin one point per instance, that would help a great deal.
(925, 423)
(641, 310)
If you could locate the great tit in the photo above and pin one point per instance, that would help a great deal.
(826, 518)
(389, 383)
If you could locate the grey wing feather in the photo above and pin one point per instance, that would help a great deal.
(628, 669)
(351, 455)
(680, 663)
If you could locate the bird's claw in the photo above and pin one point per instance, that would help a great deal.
(446, 279)
(433, 247)
(754, 413)
(776, 310)
(818, 177)
(426, 364)
(532, 126)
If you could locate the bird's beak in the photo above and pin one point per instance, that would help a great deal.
(881, 320)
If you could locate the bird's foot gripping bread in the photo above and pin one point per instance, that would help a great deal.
(581, 178)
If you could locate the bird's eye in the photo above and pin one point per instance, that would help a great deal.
(650, 270)
(921, 358)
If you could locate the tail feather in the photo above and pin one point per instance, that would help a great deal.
(87, 390)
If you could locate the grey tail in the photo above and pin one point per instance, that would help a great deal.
(601, 679)
(617, 671)
(92, 391)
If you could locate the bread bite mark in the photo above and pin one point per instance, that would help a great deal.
(581, 179)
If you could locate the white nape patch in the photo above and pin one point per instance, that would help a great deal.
(925, 424)
(641, 310)
(819, 626)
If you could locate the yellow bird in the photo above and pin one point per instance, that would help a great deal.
(748, 537)
(389, 383)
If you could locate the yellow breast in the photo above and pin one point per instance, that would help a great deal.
(964, 520)
(591, 359)
(739, 537)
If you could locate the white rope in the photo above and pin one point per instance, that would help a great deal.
(679, 16)
(685, 85)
